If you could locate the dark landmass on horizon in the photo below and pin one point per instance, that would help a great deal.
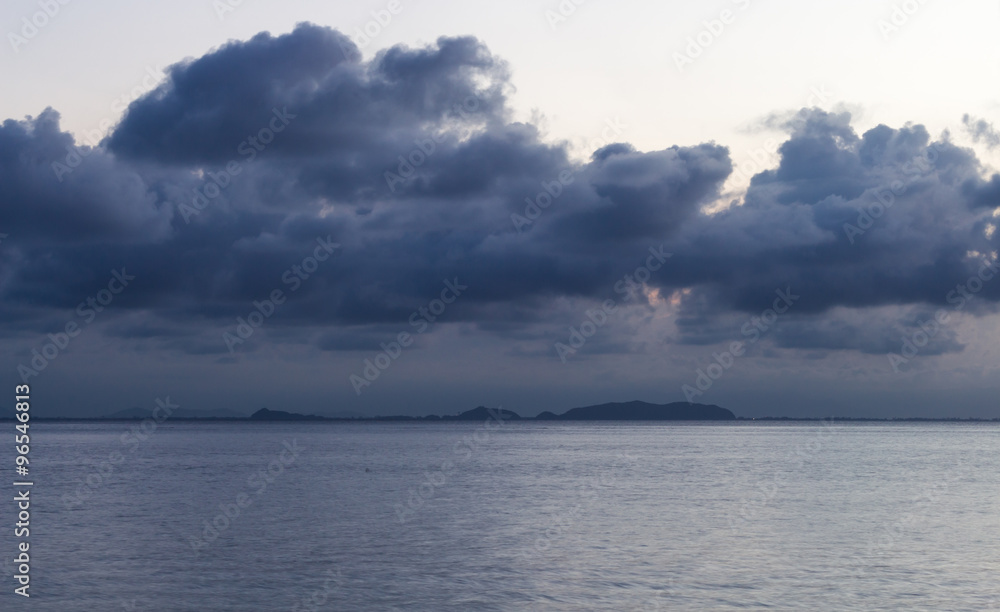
(613, 411)
(617, 411)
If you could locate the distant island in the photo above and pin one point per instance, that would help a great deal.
(615, 411)
(280, 415)
(643, 411)
(619, 411)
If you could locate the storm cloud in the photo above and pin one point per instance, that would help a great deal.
(217, 183)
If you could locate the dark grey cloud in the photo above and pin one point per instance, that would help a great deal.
(55, 192)
(885, 218)
(412, 163)
(983, 193)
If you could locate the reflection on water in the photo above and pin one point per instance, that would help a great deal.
(524, 516)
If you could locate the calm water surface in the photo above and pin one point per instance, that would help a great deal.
(524, 517)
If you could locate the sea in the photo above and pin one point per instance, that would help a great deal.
(494, 515)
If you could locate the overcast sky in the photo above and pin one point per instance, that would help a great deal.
(782, 208)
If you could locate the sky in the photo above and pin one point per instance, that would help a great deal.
(412, 207)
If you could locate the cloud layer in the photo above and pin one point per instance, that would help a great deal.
(214, 185)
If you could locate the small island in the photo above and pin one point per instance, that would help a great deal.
(642, 411)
